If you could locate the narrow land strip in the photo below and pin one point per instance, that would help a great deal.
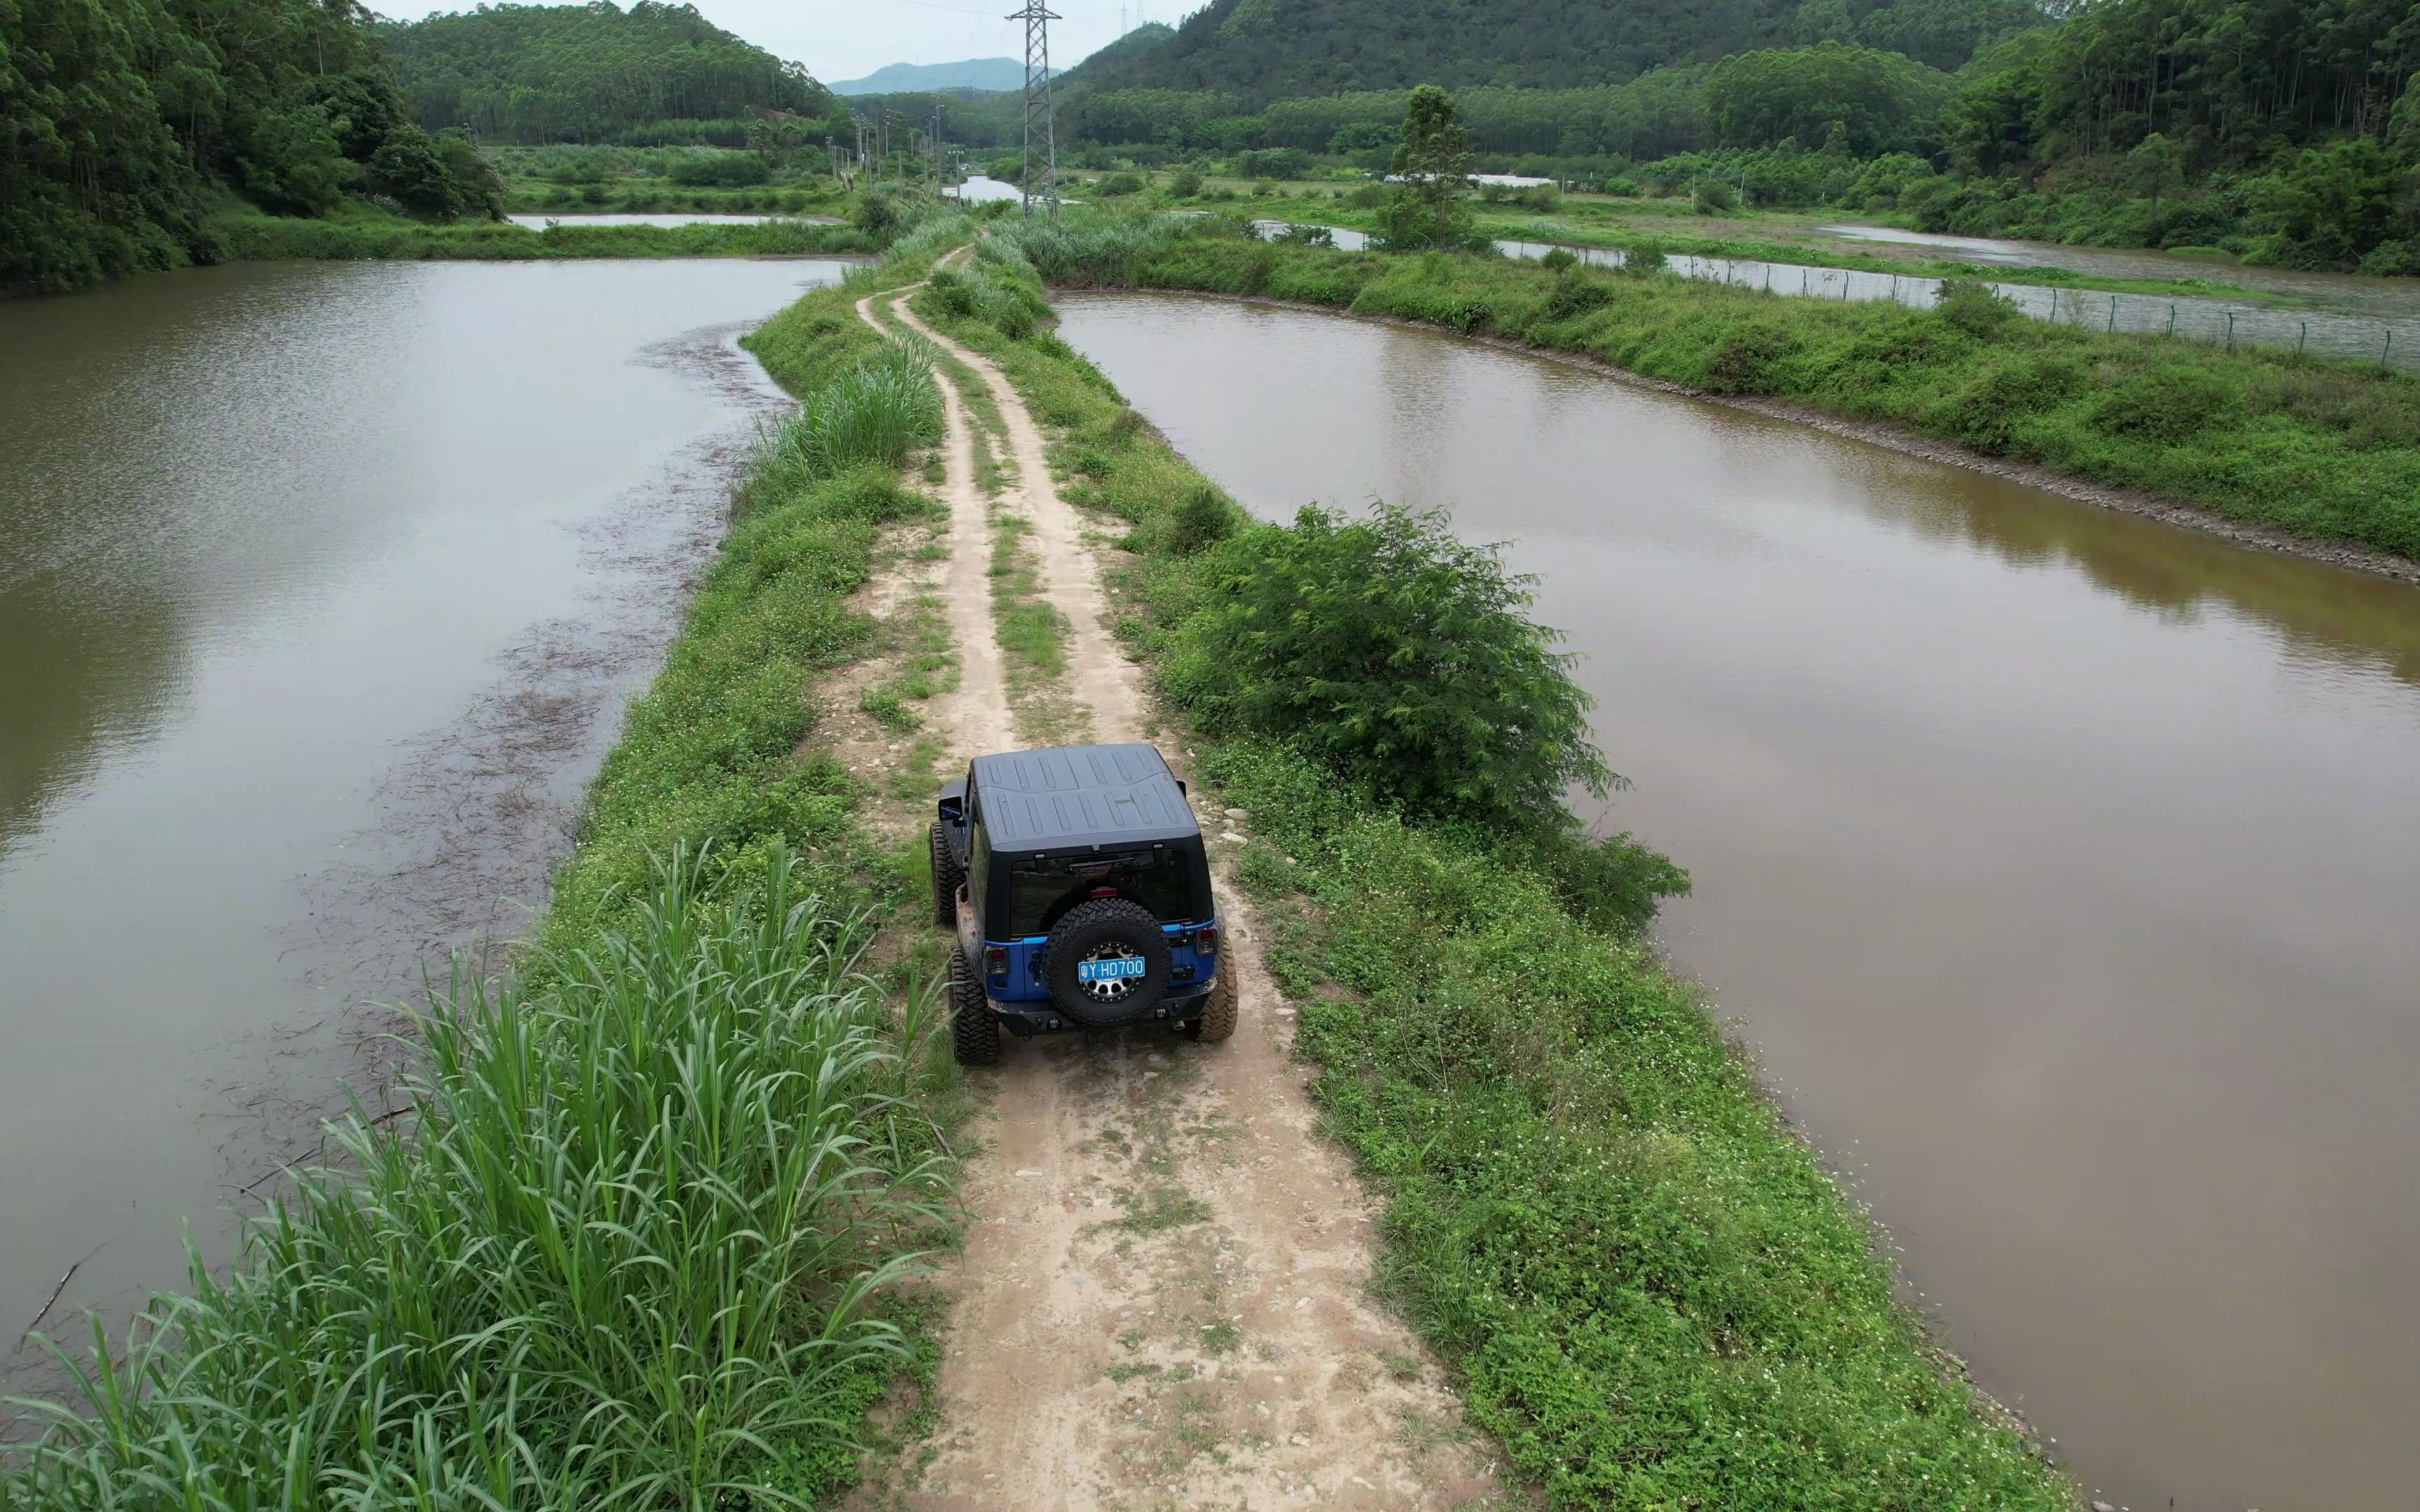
(1162, 1299)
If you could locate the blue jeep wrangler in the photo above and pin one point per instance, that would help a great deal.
(1077, 882)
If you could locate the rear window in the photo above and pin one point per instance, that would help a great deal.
(1039, 886)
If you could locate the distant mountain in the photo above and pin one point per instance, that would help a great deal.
(992, 73)
(1266, 50)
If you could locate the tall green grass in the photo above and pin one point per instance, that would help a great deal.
(877, 412)
(630, 1246)
(2314, 448)
(621, 1255)
(1650, 1291)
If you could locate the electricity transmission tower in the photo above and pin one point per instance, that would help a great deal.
(1037, 18)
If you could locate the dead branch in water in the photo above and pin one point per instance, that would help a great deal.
(56, 1293)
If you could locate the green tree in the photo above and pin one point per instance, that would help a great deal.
(1400, 659)
(409, 169)
(2154, 168)
(118, 117)
(2332, 204)
(1880, 102)
(1431, 208)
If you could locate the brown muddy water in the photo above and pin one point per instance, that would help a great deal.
(321, 587)
(2060, 864)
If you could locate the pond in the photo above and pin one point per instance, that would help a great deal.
(321, 589)
(2059, 863)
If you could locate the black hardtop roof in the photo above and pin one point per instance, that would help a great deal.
(1078, 796)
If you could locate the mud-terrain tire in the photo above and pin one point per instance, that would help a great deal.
(947, 879)
(974, 1028)
(1104, 928)
(1219, 1009)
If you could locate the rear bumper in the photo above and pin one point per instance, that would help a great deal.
(1182, 1005)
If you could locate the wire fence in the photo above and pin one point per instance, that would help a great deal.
(2220, 322)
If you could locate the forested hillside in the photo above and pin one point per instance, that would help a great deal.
(1265, 50)
(2281, 131)
(593, 73)
(119, 119)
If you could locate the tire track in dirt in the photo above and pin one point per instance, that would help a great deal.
(1098, 675)
(977, 708)
(1162, 1300)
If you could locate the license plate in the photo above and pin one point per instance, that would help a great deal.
(1123, 970)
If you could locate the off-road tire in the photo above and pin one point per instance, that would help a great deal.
(947, 879)
(1219, 1009)
(1089, 928)
(974, 1028)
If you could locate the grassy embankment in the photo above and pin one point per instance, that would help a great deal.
(1671, 227)
(249, 237)
(633, 1245)
(1649, 1289)
(656, 196)
(566, 179)
(2318, 449)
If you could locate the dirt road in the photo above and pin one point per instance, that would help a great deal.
(1162, 1300)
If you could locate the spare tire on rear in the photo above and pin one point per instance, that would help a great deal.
(1107, 962)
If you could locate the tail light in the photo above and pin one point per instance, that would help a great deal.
(995, 961)
(1206, 939)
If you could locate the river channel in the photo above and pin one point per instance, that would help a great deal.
(321, 587)
(2059, 864)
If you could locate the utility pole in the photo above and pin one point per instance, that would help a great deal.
(1037, 18)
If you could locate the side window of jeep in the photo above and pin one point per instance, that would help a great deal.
(978, 859)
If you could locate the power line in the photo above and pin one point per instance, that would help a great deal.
(1037, 18)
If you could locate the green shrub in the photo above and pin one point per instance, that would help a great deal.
(1119, 185)
(1290, 235)
(723, 170)
(1986, 412)
(1399, 658)
(1201, 519)
(1974, 308)
(1714, 197)
(878, 215)
(1559, 258)
(1575, 293)
(1743, 362)
(2371, 409)
(1274, 163)
(1185, 185)
(2168, 404)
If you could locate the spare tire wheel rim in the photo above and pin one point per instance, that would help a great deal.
(1110, 975)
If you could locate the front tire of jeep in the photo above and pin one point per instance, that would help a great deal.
(1219, 1009)
(947, 878)
(974, 1029)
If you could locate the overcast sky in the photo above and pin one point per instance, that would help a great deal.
(850, 38)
